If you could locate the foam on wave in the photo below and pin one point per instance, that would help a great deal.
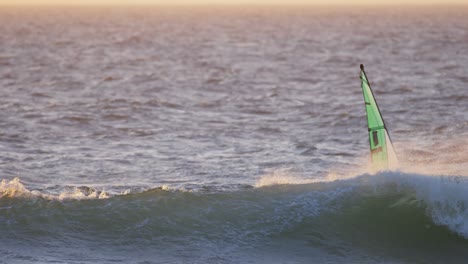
(15, 189)
(445, 198)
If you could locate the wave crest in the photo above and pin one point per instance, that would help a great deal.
(280, 177)
(13, 188)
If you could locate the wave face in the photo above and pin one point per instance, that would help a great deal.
(391, 216)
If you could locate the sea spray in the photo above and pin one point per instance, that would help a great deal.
(13, 188)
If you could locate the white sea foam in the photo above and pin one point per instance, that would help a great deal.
(280, 177)
(15, 188)
(79, 194)
(446, 197)
(447, 200)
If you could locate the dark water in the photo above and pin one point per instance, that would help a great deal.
(231, 135)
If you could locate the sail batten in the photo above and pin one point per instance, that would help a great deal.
(381, 149)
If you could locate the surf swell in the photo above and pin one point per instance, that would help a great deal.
(370, 211)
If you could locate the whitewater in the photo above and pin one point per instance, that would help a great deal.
(231, 135)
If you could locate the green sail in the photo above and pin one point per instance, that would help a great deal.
(381, 148)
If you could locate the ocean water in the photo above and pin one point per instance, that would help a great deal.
(231, 135)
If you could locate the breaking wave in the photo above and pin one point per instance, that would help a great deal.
(388, 205)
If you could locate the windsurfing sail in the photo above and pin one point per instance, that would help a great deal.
(381, 149)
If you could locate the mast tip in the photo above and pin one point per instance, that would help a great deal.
(362, 66)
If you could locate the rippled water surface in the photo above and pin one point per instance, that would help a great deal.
(179, 119)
